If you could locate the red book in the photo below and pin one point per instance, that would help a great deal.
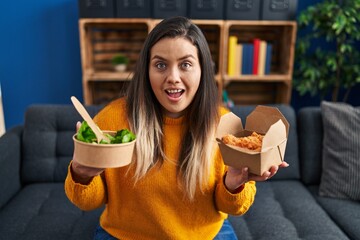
(256, 42)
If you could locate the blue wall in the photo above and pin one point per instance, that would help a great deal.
(40, 56)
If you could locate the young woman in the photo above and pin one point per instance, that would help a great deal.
(178, 186)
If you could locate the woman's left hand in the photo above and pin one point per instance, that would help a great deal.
(236, 177)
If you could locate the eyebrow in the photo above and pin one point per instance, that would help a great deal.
(184, 57)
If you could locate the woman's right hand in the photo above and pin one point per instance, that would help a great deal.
(83, 174)
(80, 173)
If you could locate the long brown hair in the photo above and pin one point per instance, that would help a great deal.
(145, 114)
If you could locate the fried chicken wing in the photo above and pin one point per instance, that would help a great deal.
(252, 142)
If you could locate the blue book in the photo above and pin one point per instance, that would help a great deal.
(247, 60)
(268, 58)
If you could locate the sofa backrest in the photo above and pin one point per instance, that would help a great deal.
(48, 146)
(291, 153)
(47, 141)
(310, 129)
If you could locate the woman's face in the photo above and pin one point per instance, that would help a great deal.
(175, 73)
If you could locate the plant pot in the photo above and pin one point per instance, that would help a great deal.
(120, 67)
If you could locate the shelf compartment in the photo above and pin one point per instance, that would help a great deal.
(106, 90)
(100, 40)
(254, 93)
(281, 34)
(107, 37)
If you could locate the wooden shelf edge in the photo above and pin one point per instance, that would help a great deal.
(109, 76)
(260, 23)
(115, 20)
(257, 78)
(267, 77)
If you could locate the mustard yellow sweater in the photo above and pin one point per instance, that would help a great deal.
(155, 207)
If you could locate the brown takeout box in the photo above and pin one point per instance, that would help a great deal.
(264, 120)
(103, 155)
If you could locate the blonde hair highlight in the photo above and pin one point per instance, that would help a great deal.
(196, 172)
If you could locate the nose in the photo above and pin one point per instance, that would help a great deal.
(173, 75)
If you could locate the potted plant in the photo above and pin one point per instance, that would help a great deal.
(333, 66)
(120, 62)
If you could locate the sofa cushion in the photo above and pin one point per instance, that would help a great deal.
(285, 210)
(341, 151)
(310, 131)
(291, 153)
(42, 211)
(344, 212)
(47, 141)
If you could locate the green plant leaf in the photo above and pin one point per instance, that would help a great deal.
(333, 66)
(119, 59)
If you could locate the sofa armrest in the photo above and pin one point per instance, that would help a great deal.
(10, 159)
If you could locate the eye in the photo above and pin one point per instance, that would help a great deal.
(185, 65)
(160, 65)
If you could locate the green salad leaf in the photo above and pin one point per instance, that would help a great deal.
(86, 134)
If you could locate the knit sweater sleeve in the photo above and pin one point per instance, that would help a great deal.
(227, 202)
(94, 194)
(235, 204)
(86, 197)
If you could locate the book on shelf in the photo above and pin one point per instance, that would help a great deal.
(232, 55)
(238, 59)
(247, 58)
(252, 58)
(256, 43)
(268, 58)
(262, 58)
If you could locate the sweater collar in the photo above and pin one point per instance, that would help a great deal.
(174, 121)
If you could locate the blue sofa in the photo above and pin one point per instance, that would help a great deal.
(34, 159)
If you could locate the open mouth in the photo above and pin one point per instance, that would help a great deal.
(174, 93)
